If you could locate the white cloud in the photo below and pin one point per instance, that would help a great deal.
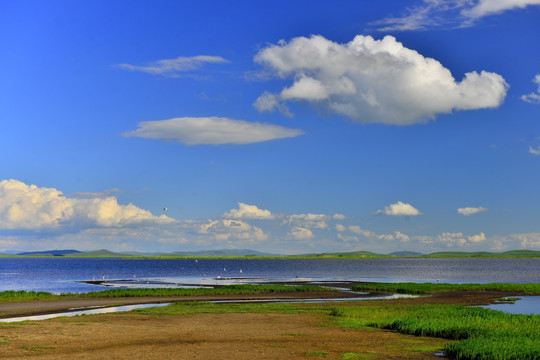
(458, 239)
(452, 13)
(523, 240)
(399, 209)
(362, 235)
(339, 217)
(317, 221)
(401, 237)
(359, 231)
(300, 233)
(222, 230)
(451, 239)
(477, 238)
(246, 211)
(534, 151)
(174, 67)
(373, 81)
(30, 207)
(211, 131)
(489, 7)
(534, 97)
(466, 211)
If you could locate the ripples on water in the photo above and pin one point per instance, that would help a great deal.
(63, 274)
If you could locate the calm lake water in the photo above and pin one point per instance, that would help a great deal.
(64, 274)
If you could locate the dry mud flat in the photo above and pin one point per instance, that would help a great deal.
(218, 336)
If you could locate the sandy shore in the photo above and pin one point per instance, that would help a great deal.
(211, 336)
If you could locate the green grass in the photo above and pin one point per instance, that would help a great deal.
(429, 288)
(479, 333)
(10, 296)
(225, 290)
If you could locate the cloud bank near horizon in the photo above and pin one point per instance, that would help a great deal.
(33, 217)
(35, 208)
(372, 81)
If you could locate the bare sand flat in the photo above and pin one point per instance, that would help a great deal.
(211, 336)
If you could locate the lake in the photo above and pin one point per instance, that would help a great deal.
(65, 274)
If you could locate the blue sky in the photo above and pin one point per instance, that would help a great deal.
(286, 127)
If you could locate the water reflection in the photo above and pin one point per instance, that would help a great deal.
(87, 311)
(526, 305)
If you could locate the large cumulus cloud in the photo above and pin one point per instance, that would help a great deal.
(373, 81)
(30, 207)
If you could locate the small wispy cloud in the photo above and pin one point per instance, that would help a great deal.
(103, 194)
(453, 13)
(534, 97)
(467, 211)
(534, 151)
(174, 67)
(211, 131)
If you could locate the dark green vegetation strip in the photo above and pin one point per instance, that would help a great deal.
(429, 288)
(124, 293)
(481, 333)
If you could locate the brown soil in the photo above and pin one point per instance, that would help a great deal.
(212, 336)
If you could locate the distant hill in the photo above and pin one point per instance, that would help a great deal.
(50, 252)
(406, 253)
(221, 253)
(353, 254)
(485, 254)
(202, 253)
(97, 253)
(224, 253)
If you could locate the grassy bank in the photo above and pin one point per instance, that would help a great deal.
(247, 289)
(430, 288)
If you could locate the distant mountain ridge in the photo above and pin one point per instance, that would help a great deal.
(50, 252)
(226, 253)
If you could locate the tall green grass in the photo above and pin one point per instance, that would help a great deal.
(224, 290)
(426, 288)
(156, 292)
(11, 295)
(480, 333)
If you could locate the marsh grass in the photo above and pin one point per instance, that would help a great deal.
(479, 333)
(429, 288)
(11, 296)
